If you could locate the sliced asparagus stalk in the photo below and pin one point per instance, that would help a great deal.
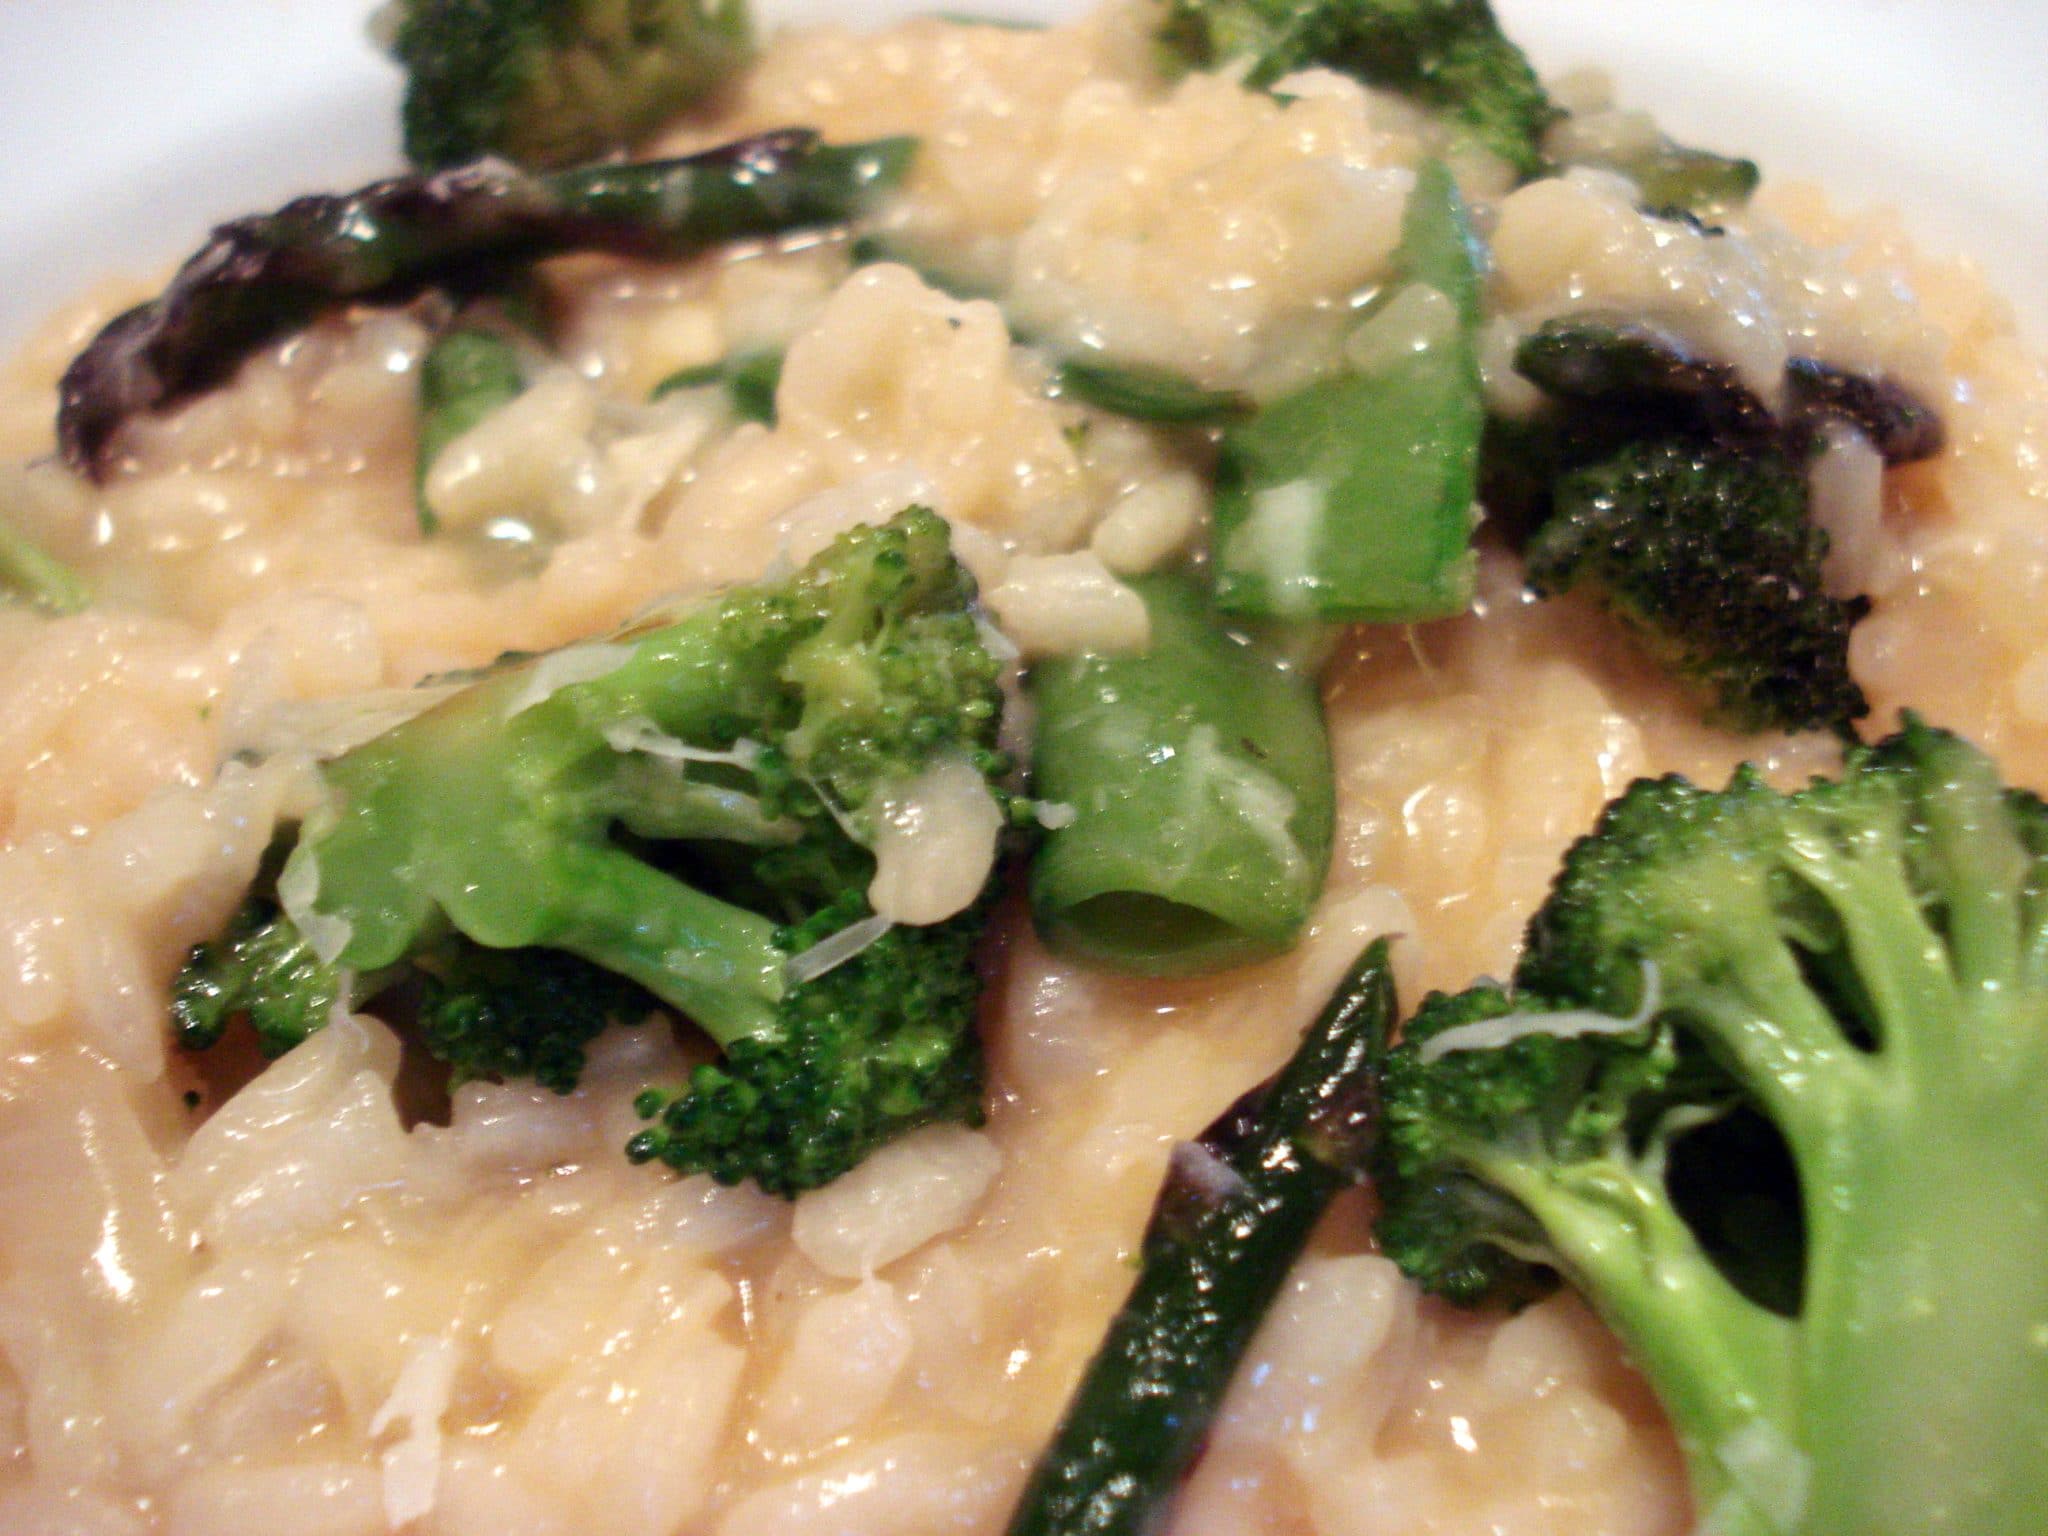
(269, 274)
(1234, 1213)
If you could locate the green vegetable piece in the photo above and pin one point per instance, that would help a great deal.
(1234, 1213)
(750, 380)
(466, 376)
(262, 971)
(31, 574)
(1449, 55)
(1899, 424)
(1200, 778)
(264, 276)
(1673, 178)
(680, 814)
(1352, 499)
(505, 1013)
(1709, 555)
(1151, 394)
(555, 82)
(1629, 366)
(1859, 972)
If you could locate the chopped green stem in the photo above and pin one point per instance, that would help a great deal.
(1925, 1357)
(466, 376)
(1157, 395)
(32, 575)
(1352, 499)
(1199, 774)
(1724, 1367)
(1902, 975)
(717, 963)
(749, 379)
(1234, 1213)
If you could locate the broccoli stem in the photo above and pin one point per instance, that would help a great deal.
(1925, 1362)
(716, 962)
(263, 276)
(1219, 1246)
(1723, 1365)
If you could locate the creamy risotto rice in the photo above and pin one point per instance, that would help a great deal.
(239, 1297)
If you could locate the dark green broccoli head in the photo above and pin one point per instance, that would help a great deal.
(556, 82)
(1707, 552)
(1449, 55)
(515, 1013)
(879, 1045)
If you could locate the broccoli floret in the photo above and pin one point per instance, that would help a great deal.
(688, 810)
(869, 1049)
(503, 1013)
(1450, 55)
(262, 971)
(1658, 480)
(555, 82)
(1708, 553)
(1853, 978)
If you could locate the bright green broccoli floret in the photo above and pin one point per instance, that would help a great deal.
(1709, 554)
(1859, 971)
(555, 82)
(687, 810)
(260, 970)
(1449, 55)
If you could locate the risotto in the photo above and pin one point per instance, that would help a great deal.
(286, 1299)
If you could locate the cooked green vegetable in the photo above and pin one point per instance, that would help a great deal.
(1674, 178)
(1661, 483)
(261, 277)
(749, 379)
(1353, 498)
(1653, 381)
(1898, 423)
(1859, 971)
(1144, 393)
(1449, 55)
(690, 809)
(554, 82)
(466, 375)
(260, 971)
(505, 1013)
(1234, 1213)
(31, 574)
(1199, 778)
(1709, 555)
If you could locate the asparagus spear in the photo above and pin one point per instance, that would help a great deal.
(262, 276)
(1234, 1213)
